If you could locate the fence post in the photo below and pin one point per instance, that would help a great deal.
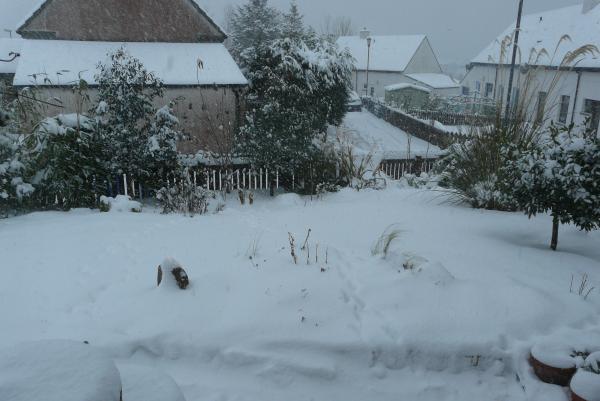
(238, 179)
(125, 184)
(277, 179)
(261, 178)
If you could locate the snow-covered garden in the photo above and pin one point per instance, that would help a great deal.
(450, 311)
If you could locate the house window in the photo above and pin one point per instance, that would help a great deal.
(592, 109)
(372, 91)
(563, 113)
(541, 107)
(489, 90)
(466, 91)
(478, 86)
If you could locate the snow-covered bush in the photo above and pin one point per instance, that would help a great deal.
(296, 92)
(422, 181)
(184, 197)
(120, 203)
(561, 176)
(139, 138)
(13, 187)
(474, 171)
(66, 162)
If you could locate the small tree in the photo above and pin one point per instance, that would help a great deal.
(126, 91)
(295, 92)
(293, 24)
(561, 177)
(140, 140)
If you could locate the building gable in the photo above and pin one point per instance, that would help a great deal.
(424, 60)
(174, 21)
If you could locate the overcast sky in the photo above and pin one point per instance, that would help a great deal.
(458, 29)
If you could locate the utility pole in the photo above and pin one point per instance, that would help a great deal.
(369, 40)
(514, 61)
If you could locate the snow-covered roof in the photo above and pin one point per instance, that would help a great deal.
(8, 46)
(544, 31)
(58, 62)
(435, 81)
(37, 6)
(406, 86)
(388, 53)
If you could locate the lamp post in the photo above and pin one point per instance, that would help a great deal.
(369, 40)
(514, 61)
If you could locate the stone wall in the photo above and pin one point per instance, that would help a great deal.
(411, 125)
(209, 116)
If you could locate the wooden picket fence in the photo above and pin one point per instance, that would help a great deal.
(396, 169)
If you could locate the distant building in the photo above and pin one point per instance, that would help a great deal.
(175, 39)
(564, 95)
(9, 51)
(394, 60)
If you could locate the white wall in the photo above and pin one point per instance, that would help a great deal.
(555, 83)
(424, 61)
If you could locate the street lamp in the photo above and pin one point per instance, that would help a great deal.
(514, 60)
(369, 41)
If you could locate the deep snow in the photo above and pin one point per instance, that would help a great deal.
(253, 326)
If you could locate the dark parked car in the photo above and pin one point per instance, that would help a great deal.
(354, 102)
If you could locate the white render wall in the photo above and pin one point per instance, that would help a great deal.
(555, 83)
(423, 61)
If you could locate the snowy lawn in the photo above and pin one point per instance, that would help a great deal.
(485, 288)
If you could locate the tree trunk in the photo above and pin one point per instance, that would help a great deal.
(555, 225)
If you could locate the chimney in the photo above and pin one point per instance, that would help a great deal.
(589, 5)
(365, 33)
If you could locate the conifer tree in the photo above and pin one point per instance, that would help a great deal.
(253, 26)
(293, 24)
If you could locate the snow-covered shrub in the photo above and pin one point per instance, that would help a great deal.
(13, 186)
(421, 181)
(184, 197)
(474, 170)
(297, 90)
(120, 203)
(139, 138)
(560, 176)
(66, 162)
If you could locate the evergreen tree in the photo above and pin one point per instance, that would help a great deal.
(293, 24)
(295, 92)
(561, 177)
(133, 130)
(253, 26)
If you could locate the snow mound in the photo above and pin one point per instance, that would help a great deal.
(592, 362)
(435, 272)
(586, 385)
(57, 371)
(554, 355)
(121, 203)
(146, 384)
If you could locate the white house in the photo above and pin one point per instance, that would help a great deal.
(391, 60)
(556, 92)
